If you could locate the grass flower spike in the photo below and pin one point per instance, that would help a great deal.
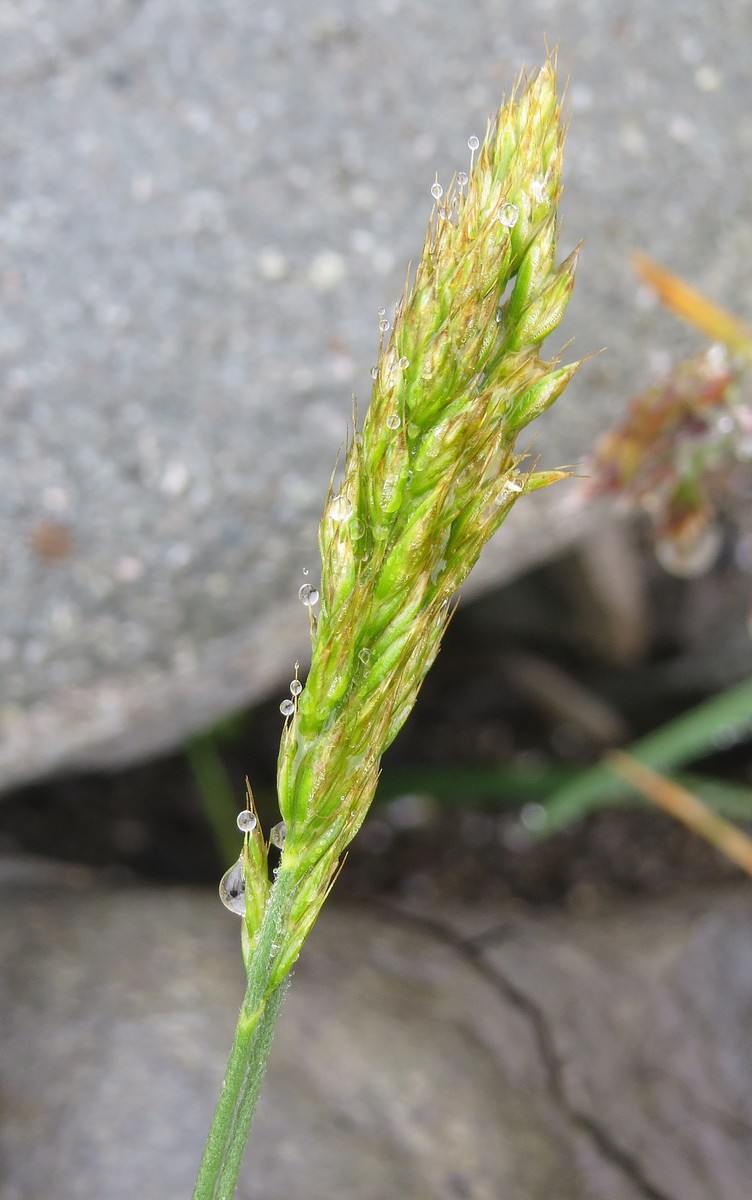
(426, 482)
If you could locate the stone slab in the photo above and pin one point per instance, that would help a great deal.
(540, 1057)
(201, 209)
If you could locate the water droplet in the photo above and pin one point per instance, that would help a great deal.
(232, 888)
(443, 213)
(508, 215)
(305, 570)
(246, 821)
(277, 835)
(374, 372)
(473, 142)
(357, 529)
(296, 687)
(340, 508)
(534, 817)
(437, 190)
(287, 708)
(364, 655)
(383, 324)
(393, 421)
(308, 595)
(462, 178)
(725, 424)
(296, 666)
(499, 315)
(404, 363)
(382, 312)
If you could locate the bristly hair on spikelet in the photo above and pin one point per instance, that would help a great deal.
(427, 481)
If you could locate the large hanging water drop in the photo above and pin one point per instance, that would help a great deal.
(296, 687)
(232, 888)
(308, 595)
(393, 421)
(246, 821)
(437, 190)
(287, 708)
(473, 143)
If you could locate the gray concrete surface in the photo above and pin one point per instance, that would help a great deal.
(467, 1054)
(202, 207)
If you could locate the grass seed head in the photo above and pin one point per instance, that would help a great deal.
(429, 478)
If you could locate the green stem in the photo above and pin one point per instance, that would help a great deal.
(225, 1144)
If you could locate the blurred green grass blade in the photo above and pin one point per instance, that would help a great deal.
(508, 788)
(505, 786)
(217, 795)
(713, 725)
(731, 799)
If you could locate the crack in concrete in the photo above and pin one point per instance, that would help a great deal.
(471, 951)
